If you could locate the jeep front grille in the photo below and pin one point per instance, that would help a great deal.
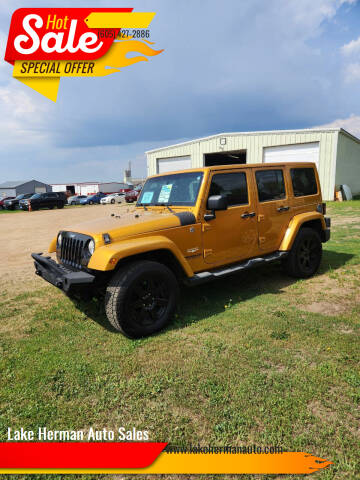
(73, 250)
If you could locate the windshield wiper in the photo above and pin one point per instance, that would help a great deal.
(166, 205)
(143, 205)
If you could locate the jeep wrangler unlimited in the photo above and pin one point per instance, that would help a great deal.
(191, 226)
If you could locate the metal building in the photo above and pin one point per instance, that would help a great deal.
(335, 152)
(13, 189)
(89, 188)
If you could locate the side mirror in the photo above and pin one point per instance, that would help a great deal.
(215, 202)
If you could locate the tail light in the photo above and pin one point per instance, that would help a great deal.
(321, 208)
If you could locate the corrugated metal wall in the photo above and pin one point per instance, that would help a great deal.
(254, 143)
(348, 163)
(7, 192)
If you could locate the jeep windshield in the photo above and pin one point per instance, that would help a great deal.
(178, 189)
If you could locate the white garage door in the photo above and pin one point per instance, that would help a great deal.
(304, 152)
(171, 164)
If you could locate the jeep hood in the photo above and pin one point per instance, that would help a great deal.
(127, 224)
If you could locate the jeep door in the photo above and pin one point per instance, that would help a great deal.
(274, 208)
(231, 236)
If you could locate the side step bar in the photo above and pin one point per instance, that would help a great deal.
(203, 277)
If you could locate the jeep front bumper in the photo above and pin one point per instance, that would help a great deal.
(58, 275)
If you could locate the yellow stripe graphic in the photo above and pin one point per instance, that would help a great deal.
(119, 19)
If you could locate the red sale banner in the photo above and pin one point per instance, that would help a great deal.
(45, 44)
(56, 34)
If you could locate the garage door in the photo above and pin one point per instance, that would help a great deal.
(172, 164)
(304, 152)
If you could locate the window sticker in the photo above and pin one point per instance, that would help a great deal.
(147, 197)
(164, 194)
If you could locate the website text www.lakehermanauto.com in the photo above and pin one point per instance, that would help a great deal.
(223, 449)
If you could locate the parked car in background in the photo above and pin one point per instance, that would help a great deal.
(75, 199)
(91, 199)
(43, 200)
(2, 200)
(112, 198)
(133, 195)
(14, 203)
(61, 195)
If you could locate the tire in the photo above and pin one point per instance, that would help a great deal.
(60, 205)
(52, 206)
(305, 255)
(91, 202)
(113, 200)
(129, 301)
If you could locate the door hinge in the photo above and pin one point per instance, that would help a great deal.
(262, 240)
(208, 252)
(261, 217)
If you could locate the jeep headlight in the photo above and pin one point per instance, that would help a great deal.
(59, 239)
(91, 247)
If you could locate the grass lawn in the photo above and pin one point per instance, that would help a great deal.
(256, 358)
(3, 211)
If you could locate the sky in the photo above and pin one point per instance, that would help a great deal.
(227, 66)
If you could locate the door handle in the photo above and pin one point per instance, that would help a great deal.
(283, 209)
(248, 215)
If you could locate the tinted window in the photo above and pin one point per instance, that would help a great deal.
(231, 185)
(52, 195)
(303, 181)
(270, 184)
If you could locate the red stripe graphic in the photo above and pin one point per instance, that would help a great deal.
(79, 455)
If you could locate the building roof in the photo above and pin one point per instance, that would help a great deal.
(262, 132)
(14, 184)
(85, 183)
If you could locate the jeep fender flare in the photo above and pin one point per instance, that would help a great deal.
(52, 246)
(105, 258)
(294, 226)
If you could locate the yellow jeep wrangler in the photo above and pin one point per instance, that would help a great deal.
(191, 226)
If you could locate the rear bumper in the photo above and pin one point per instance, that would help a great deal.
(59, 275)
(325, 236)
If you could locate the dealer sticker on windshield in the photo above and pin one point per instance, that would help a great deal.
(164, 194)
(147, 197)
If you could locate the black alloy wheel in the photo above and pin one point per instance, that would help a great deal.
(141, 298)
(305, 256)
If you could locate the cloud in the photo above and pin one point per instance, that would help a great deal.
(352, 73)
(351, 48)
(350, 124)
(247, 65)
